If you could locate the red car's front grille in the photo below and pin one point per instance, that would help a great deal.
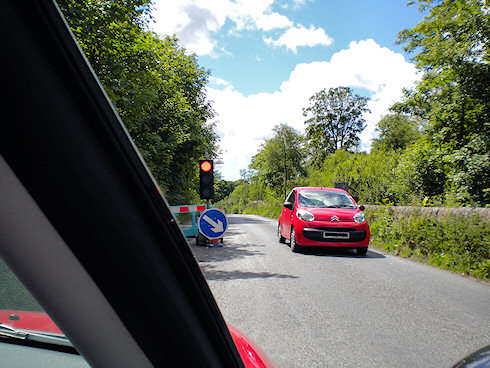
(318, 234)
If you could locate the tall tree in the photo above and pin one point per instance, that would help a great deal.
(157, 88)
(453, 96)
(396, 131)
(280, 159)
(334, 121)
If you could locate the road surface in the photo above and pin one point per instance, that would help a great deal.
(337, 309)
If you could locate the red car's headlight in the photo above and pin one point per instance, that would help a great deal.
(305, 215)
(359, 218)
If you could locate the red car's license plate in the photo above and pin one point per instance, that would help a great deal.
(335, 235)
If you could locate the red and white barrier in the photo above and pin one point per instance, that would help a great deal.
(185, 209)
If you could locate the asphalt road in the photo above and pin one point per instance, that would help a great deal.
(336, 309)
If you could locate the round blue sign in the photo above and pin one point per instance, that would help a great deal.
(212, 223)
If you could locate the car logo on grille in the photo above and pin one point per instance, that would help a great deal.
(334, 218)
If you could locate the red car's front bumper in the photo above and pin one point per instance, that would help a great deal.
(328, 234)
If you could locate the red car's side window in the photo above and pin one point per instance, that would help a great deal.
(292, 197)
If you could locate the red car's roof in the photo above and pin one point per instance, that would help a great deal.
(321, 188)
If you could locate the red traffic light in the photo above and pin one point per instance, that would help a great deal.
(206, 179)
(206, 166)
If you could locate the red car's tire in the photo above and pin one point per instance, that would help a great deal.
(361, 251)
(294, 246)
(281, 238)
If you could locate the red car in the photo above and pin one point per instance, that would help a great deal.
(325, 217)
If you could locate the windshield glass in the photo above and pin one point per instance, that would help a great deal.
(296, 94)
(324, 199)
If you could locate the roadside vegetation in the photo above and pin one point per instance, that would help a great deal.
(433, 146)
(452, 242)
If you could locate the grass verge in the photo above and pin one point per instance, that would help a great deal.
(451, 242)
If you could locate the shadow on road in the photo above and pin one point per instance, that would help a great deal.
(226, 252)
(210, 273)
(209, 257)
(338, 252)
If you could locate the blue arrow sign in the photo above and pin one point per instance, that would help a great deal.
(212, 223)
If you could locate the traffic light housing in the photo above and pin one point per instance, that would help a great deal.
(206, 179)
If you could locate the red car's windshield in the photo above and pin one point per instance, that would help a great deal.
(324, 199)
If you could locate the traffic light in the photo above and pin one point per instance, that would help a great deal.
(206, 179)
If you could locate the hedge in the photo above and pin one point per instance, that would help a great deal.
(451, 241)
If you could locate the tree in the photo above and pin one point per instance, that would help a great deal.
(334, 121)
(156, 87)
(280, 159)
(453, 96)
(396, 131)
(421, 172)
(222, 188)
(369, 176)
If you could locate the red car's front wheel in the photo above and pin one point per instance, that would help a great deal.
(361, 251)
(282, 239)
(294, 246)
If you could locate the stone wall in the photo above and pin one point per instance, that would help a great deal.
(438, 211)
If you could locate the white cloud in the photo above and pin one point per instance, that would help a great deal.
(219, 81)
(257, 14)
(301, 36)
(270, 21)
(196, 23)
(295, 4)
(244, 121)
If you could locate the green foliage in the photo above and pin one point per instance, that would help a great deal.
(421, 172)
(157, 89)
(452, 242)
(267, 210)
(280, 159)
(470, 172)
(453, 97)
(275, 169)
(222, 189)
(334, 121)
(453, 32)
(370, 176)
(396, 132)
(246, 193)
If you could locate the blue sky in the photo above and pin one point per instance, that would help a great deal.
(267, 57)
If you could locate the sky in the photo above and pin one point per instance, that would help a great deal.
(268, 57)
